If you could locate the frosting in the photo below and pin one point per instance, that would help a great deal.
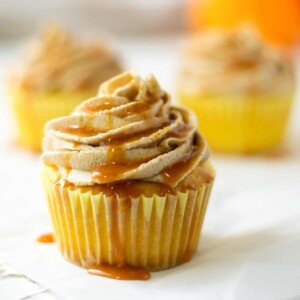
(219, 61)
(130, 131)
(57, 62)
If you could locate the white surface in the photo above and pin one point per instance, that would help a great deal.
(250, 247)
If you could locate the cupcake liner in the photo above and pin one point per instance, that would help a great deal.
(241, 124)
(33, 109)
(152, 232)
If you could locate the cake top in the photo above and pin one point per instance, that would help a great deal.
(56, 61)
(234, 61)
(130, 131)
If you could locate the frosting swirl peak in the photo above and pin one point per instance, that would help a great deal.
(130, 131)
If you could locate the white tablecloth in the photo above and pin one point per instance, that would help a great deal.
(250, 247)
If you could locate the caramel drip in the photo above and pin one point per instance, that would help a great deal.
(112, 172)
(46, 238)
(94, 108)
(116, 154)
(109, 122)
(120, 272)
(116, 166)
(81, 131)
(206, 174)
(187, 254)
(117, 162)
(140, 108)
(180, 131)
(127, 189)
(115, 233)
(123, 139)
(62, 181)
(173, 173)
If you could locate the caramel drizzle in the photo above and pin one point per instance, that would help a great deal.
(92, 108)
(138, 107)
(83, 131)
(172, 173)
(120, 272)
(46, 238)
(118, 164)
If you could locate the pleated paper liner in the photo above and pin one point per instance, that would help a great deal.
(241, 124)
(33, 109)
(151, 232)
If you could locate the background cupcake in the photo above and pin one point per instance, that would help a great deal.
(58, 73)
(127, 180)
(240, 88)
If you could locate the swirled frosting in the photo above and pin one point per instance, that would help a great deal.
(57, 62)
(219, 61)
(130, 131)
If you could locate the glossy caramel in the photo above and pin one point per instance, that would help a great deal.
(140, 108)
(92, 108)
(120, 272)
(46, 238)
(83, 131)
(173, 173)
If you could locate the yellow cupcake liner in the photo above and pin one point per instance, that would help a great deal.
(241, 124)
(33, 109)
(152, 232)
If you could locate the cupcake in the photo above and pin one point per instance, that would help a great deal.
(58, 74)
(127, 180)
(240, 88)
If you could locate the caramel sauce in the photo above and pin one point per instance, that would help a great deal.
(112, 172)
(187, 254)
(206, 174)
(81, 131)
(178, 132)
(173, 173)
(72, 148)
(137, 108)
(127, 190)
(115, 151)
(116, 166)
(93, 108)
(123, 139)
(120, 272)
(109, 122)
(115, 233)
(63, 182)
(46, 238)
(116, 154)
(133, 189)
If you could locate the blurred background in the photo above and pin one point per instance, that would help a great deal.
(277, 20)
(252, 229)
(116, 16)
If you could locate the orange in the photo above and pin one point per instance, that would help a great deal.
(277, 20)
